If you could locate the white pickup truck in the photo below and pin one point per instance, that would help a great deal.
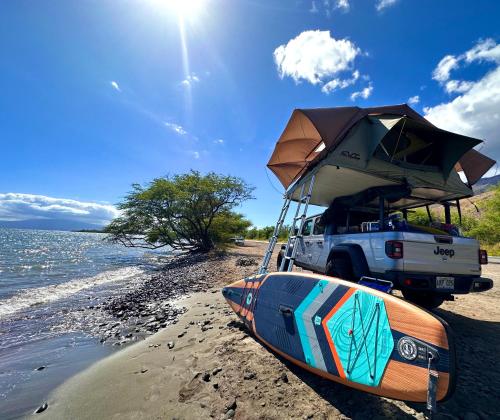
(427, 267)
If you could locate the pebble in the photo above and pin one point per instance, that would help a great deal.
(229, 414)
(40, 368)
(216, 371)
(250, 375)
(171, 344)
(206, 377)
(284, 377)
(42, 408)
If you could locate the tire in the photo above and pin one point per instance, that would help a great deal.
(426, 300)
(340, 267)
(278, 262)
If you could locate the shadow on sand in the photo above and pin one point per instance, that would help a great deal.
(478, 377)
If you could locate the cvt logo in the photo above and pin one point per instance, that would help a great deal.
(350, 155)
(443, 251)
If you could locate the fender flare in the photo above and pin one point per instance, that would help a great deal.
(356, 255)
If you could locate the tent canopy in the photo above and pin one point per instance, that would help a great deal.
(350, 149)
(311, 134)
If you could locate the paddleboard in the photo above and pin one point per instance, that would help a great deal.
(349, 333)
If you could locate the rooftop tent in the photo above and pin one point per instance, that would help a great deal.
(350, 149)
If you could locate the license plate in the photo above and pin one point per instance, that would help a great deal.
(445, 282)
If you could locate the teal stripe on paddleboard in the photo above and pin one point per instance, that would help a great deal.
(299, 319)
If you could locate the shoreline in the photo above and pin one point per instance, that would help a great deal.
(216, 369)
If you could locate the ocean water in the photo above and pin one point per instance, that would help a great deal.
(52, 285)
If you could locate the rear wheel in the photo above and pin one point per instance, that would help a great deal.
(427, 300)
(340, 267)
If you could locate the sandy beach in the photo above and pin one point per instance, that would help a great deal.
(207, 365)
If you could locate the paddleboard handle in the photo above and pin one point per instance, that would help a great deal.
(286, 310)
(432, 383)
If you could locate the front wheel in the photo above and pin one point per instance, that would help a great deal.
(340, 267)
(427, 300)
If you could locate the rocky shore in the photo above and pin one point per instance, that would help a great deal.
(205, 364)
(152, 306)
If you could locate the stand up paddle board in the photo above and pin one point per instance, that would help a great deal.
(349, 333)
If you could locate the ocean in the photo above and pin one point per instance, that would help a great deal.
(52, 287)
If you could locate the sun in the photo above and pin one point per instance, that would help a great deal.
(186, 8)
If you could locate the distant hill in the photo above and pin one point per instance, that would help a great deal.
(49, 224)
(484, 183)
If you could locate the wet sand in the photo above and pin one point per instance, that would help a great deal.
(208, 366)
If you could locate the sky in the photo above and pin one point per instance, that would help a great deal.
(98, 94)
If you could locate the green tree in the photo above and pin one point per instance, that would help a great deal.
(487, 228)
(188, 212)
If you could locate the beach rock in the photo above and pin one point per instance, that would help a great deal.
(42, 408)
(231, 405)
(229, 414)
(250, 375)
(246, 262)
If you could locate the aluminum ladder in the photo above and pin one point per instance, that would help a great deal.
(293, 234)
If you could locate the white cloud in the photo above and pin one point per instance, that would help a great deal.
(115, 85)
(195, 154)
(476, 111)
(190, 80)
(414, 100)
(19, 206)
(335, 84)
(342, 5)
(442, 72)
(458, 86)
(179, 129)
(219, 141)
(315, 56)
(327, 6)
(364, 93)
(484, 50)
(382, 4)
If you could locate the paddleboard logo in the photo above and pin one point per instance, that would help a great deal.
(249, 298)
(407, 348)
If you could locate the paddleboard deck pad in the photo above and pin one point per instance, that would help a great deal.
(349, 333)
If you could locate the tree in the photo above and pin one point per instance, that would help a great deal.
(187, 212)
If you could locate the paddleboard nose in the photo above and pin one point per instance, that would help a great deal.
(233, 294)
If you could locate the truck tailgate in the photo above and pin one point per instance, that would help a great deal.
(435, 254)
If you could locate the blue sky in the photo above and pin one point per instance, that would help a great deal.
(96, 95)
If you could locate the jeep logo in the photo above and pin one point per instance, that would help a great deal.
(442, 251)
(350, 155)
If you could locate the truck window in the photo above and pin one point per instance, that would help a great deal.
(306, 230)
(318, 228)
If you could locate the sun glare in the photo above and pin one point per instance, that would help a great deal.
(186, 8)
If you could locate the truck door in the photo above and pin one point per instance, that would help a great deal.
(317, 244)
(303, 255)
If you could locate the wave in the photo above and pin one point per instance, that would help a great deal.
(43, 295)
